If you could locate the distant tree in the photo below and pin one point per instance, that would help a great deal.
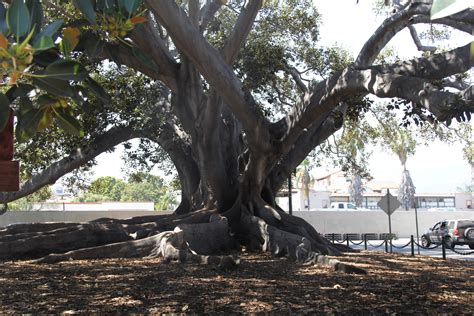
(305, 180)
(108, 187)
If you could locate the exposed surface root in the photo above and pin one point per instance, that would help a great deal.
(62, 240)
(187, 242)
(201, 237)
(283, 243)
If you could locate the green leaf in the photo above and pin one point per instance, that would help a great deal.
(18, 18)
(3, 19)
(49, 31)
(46, 118)
(66, 70)
(19, 90)
(68, 122)
(443, 8)
(43, 43)
(54, 86)
(36, 19)
(4, 111)
(97, 90)
(87, 9)
(28, 120)
(46, 99)
(91, 44)
(130, 6)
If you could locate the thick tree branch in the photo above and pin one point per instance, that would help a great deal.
(242, 28)
(146, 37)
(58, 169)
(319, 132)
(124, 56)
(460, 25)
(208, 11)
(417, 41)
(444, 105)
(434, 67)
(296, 77)
(215, 70)
(387, 30)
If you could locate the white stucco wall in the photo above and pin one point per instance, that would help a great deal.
(68, 216)
(403, 222)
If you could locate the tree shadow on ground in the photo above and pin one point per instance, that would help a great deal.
(395, 284)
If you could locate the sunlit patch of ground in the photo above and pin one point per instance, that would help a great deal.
(394, 284)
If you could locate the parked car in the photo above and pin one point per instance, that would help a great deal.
(456, 232)
(343, 206)
(346, 206)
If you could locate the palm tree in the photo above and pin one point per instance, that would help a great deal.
(356, 190)
(403, 144)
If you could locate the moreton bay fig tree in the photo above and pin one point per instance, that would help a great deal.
(237, 93)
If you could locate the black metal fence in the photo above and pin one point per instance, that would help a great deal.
(365, 239)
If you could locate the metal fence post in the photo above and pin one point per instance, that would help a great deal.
(412, 242)
(333, 237)
(365, 241)
(443, 247)
(386, 245)
(347, 239)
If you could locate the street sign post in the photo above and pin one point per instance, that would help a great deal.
(388, 203)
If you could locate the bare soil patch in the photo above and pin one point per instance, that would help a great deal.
(395, 284)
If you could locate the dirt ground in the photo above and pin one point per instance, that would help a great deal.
(395, 284)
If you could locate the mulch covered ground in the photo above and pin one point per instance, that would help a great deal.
(395, 284)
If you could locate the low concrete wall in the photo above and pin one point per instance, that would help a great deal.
(68, 216)
(403, 222)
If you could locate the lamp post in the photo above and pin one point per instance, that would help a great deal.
(415, 205)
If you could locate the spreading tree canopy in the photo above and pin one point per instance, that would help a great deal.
(235, 93)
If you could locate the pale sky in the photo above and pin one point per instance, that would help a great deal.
(439, 168)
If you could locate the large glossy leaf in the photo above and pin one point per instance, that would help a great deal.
(70, 40)
(3, 19)
(66, 70)
(129, 6)
(46, 118)
(54, 86)
(68, 122)
(444, 8)
(28, 119)
(36, 14)
(43, 43)
(46, 99)
(91, 44)
(49, 31)
(4, 111)
(19, 90)
(87, 9)
(18, 18)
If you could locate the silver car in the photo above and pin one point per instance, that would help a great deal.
(456, 232)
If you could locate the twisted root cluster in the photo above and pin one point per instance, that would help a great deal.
(201, 237)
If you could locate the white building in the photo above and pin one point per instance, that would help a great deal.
(334, 187)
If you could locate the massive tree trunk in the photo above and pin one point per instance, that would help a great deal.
(232, 159)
